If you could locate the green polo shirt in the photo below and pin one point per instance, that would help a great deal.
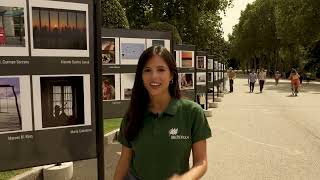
(162, 147)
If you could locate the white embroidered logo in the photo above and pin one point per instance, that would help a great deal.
(173, 134)
(173, 131)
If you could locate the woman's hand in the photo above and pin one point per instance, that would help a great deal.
(179, 177)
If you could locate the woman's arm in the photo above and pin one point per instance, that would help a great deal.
(123, 164)
(200, 163)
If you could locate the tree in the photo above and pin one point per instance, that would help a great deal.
(163, 26)
(113, 15)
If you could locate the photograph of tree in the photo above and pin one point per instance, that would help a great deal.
(59, 29)
(187, 59)
(62, 101)
(12, 27)
(210, 77)
(10, 104)
(201, 78)
(201, 63)
(108, 87)
(108, 51)
(186, 81)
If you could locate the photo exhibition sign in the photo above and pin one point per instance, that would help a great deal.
(46, 82)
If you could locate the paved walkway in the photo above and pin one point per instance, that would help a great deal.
(266, 136)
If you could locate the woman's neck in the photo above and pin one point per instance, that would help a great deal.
(159, 103)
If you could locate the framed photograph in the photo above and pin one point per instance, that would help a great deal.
(201, 62)
(61, 101)
(201, 78)
(59, 28)
(159, 42)
(210, 63)
(210, 77)
(178, 58)
(215, 76)
(127, 81)
(110, 51)
(110, 87)
(13, 28)
(187, 59)
(186, 81)
(131, 50)
(15, 104)
(216, 65)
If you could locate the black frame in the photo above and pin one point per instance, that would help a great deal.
(202, 88)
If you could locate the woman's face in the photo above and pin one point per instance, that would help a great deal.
(156, 76)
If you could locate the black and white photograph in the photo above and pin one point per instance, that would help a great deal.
(201, 62)
(15, 106)
(210, 77)
(61, 101)
(210, 63)
(59, 28)
(131, 49)
(127, 81)
(110, 51)
(110, 87)
(13, 28)
(159, 42)
(201, 78)
(186, 81)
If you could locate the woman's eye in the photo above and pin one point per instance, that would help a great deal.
(161, 70)
(146, 70)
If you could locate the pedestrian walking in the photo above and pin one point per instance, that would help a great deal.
(231, 76)
(277, 76)
(295, 82)
(160, 129)
(262, 78)
(252, 78)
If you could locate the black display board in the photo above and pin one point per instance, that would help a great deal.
(121, 49)
(48, 96)
(201, 80)
(218, 76)
(185, 59)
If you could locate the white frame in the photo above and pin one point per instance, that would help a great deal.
(130, 40)
(211, 78)
(25, 102)
(17, 51)
(116, 86)
(166, 43)
(116, 50)
(201, 74)
(126, 83)
(205, 62)
(182, 60)
(180, 76)
(178, 58)
(65, 6)
(210, 63)
(37, 101)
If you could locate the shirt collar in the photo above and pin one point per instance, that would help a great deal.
(172, 107)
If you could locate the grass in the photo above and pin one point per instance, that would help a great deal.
(10, 174)
(111, 124)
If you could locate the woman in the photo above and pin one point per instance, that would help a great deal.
(295, 82)
(160, 129)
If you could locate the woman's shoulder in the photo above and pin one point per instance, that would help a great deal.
(187, 104)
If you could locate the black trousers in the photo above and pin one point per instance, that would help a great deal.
(231, 85)
(252, 86)
(261, 83)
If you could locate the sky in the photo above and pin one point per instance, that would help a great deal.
(232, 16)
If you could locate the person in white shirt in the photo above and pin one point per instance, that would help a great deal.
(262, 78)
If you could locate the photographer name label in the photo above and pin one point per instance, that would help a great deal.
(20, 137)
(13, 62)
(75, 62)
(79, 131)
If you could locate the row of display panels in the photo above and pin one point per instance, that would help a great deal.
(119, 86)
(56, 28)
(42, 102)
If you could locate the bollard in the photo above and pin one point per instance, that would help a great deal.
(207, 113)
(213, 105)
(218, 99)
(63, 171)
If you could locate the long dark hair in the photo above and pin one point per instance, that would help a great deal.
(140, 97)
